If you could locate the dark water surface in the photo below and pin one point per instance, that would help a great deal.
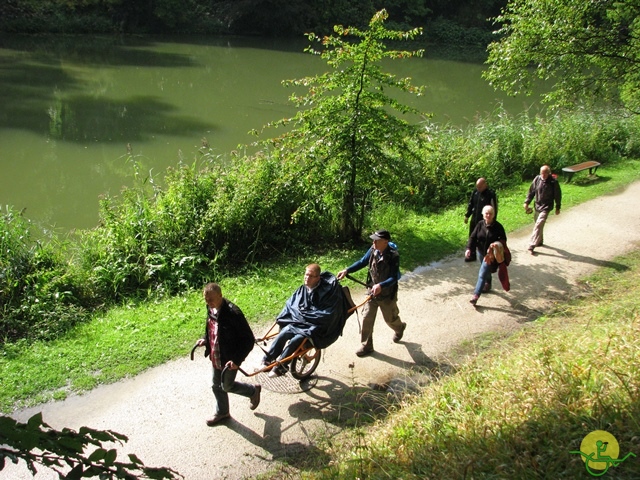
(74, 110)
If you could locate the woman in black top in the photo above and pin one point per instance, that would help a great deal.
(487, 232)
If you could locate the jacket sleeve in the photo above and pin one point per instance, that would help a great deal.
(236, 337)
(473, 238)
(502, 233)
(470, 205)
(532, 191)
(242, 340)
(207, 347)
(363, 262)
(557, 195)
(494, 203)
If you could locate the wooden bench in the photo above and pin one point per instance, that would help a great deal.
(591, 165)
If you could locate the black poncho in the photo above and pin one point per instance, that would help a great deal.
(320, 315)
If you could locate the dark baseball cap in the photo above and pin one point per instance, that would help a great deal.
(380, 235)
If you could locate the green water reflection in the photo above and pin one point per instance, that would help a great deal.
(75, 109)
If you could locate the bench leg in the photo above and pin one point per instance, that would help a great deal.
(569, 175)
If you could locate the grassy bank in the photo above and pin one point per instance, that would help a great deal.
(522, 408)
(135, 336)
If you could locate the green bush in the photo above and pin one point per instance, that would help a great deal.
(204, 220)
(40, 297)
(228, 214)
(443, 31)
(507, 150)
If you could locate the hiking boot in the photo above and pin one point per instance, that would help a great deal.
(254, 400)
(398, 335)
(217, 418)
(530, 251)
(364, 350)
(474, 300)
(277, 371)
(265, 366)
(486, 287)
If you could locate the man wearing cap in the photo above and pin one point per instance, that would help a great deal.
(383, 261)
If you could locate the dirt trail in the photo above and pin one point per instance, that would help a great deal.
(163, 411)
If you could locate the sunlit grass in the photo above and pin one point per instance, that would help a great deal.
(133, 337)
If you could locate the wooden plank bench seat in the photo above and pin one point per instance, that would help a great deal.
(591, 165)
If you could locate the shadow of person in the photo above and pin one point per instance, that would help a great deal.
(516, 309)
(336, 402)
(421, 359)
(383, 357)
(416, 374)
(295, 454)
(328, 401)
(618, 267)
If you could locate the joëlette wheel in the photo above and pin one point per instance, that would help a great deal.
(304, 365)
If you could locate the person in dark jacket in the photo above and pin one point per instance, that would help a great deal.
(546, 191)
(317, 310)
(383, 261)
(480, 198)
(228, 340)
(487, 232)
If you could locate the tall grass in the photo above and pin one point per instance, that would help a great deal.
(40, 295)
(522, 408)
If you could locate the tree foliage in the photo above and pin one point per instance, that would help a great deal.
(64, 451)
(40, 296)
(347, 137)
(243, 17)
(586, 50)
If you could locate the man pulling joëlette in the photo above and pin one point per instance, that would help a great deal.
(383, 261)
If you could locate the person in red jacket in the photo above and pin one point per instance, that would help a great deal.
(228, 340)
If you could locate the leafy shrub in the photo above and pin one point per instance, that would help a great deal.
(443, 31)
(507, 150)
(40, 297)
(225, 214)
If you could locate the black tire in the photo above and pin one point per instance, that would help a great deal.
(303, 366)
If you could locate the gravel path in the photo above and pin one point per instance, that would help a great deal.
(163, 410)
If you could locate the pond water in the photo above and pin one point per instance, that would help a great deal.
(75, 110)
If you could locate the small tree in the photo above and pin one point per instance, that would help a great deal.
(35, 442)
(347, 140)
(586, 50)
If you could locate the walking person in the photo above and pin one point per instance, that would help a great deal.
(480, 198)
(488, 239)
(383, 262)
(228, 340)
(546, 191)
